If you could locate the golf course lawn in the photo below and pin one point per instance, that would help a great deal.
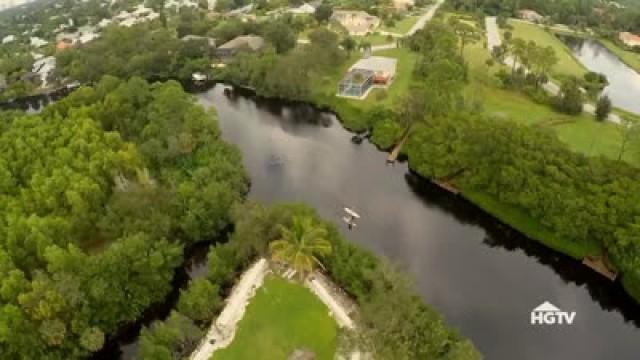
(281, 318)
(581, 133)
(567, 65)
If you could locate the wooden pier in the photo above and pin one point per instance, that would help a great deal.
(393, 155)
(446, 186)
(599, 265)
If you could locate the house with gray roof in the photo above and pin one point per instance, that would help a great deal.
(242, 43)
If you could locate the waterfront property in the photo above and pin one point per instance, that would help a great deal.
(629, 39)
(241, 43)
(356, 22)
(367, 73)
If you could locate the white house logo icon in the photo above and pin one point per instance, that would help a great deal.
(548, 314)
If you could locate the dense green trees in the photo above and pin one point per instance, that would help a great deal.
(301, 245)
(287, 76)
(143, 50)
(100, 192)
(570, 98)
(603, 108)
(582, 200)
(394, 322)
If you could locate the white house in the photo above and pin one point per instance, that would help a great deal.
(356, 22)
(38, 42)
(8, 39)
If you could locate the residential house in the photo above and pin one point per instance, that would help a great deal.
(8, 39)
(242, 43)
(139, 15)
(530, 15)
(629, 39)
(367, 73)
(64, 44)
(356, 22)
(37, 42)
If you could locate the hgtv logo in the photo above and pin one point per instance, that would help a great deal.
(548, 314)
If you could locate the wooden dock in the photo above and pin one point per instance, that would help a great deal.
(599, 265)
(393, 155)
(446, 186)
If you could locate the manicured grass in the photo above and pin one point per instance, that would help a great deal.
(594, 138)
(567, 64)
(581, 133)
(526, 224)
(281, 318)
(403, 26)
(632, 59)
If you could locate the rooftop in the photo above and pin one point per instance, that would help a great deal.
(251, 41)
(377, 64)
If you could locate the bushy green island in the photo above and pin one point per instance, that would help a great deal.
(393, 322)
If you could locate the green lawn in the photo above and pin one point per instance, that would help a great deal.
(628, 57)
(581, 133)
(281, 318)
(567, 64)
(403, 26)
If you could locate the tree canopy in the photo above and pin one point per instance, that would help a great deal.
(99, 194)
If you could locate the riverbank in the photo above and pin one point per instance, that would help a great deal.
(355, 120)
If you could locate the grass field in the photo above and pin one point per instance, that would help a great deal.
(581, 133)
(567, 65)
(401, 27)
(281, 318)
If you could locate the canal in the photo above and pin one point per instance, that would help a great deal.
(624, 82)
(482, 276)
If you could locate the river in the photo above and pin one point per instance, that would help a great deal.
(624, 82)
(482, 276)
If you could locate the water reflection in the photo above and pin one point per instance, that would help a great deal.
(484, 277)
(624, 82)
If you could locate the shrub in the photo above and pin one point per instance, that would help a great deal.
(386, 133)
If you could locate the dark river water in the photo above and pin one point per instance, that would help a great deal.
(624, 82)
(482, 276)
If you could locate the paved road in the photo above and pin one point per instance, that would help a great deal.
(422, 21)
(494, 39)
(425, 18)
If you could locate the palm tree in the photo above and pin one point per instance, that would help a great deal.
(300, 244)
